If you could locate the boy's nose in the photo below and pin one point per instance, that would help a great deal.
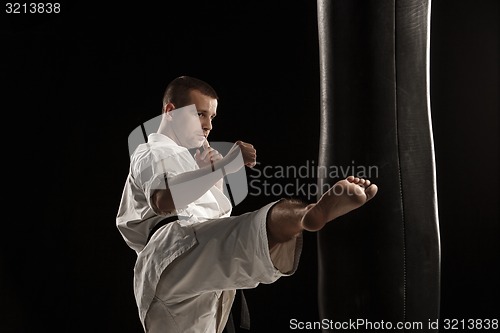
(206, 125)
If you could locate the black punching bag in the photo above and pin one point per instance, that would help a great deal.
(378, 265)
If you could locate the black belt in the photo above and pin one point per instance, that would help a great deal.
(160, 224)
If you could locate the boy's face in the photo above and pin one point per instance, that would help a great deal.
(193, 125)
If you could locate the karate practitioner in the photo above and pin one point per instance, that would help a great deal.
(192, 255)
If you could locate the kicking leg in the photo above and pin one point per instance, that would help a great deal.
(345, 196)
(288, 218)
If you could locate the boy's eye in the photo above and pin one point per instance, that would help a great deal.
(202, 114)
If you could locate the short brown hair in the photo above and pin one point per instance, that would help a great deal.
(177, 91)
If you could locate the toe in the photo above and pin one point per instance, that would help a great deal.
(371, 192)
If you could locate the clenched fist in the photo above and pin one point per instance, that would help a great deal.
(248, 152)
(241, 154)
(207, 157)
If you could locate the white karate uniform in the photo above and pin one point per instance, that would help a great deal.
(185, 277)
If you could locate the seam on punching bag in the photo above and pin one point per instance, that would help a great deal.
(399, 157)
(434, 179)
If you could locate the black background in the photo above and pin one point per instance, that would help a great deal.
(75, 84)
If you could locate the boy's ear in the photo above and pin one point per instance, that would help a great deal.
(168, 107)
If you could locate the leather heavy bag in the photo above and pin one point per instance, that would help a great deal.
(379, 263)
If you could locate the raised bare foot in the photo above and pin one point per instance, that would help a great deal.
(345, 196)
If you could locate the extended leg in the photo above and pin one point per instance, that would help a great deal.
(288, 218)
